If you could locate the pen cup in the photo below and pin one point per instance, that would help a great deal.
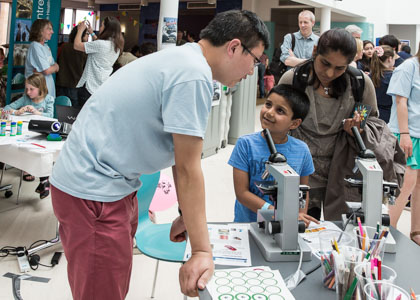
(371, 241)
(383, 290)
(365, 275)
(325, 238)
(344, 263)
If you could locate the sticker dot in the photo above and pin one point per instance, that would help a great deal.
(256, 289)
(222, 281)
(235, 274)
(240, 289)
(223, 289)
(253, 281)
(242, 297)
(238, 281)
(220, 274)
(251, 274)
(273, 289)
(266, 274)
(226, 297)
(269, 281)
(259, 297)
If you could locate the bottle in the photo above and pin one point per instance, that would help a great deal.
(13, 129)
(3, 129)
(19, 128)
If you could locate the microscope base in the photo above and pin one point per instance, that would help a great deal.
(272, 252)
(390, 244)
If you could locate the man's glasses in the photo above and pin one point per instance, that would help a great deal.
(257, 61)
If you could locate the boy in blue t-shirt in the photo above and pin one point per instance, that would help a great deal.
(284, 110)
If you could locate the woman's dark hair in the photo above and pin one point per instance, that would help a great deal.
(298, 100)
(135, 49)
(35, 35)
(73, 34)
(333, 40)
(377, 66)
(236, 24)
(112, 32)
(365, 61)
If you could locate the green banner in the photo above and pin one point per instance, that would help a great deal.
(24, 13)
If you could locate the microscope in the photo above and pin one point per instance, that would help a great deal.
(375, 191)
(276, 232)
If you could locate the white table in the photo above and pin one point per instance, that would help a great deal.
(29, 152)
(25, 152)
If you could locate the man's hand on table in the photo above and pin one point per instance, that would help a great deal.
(196, 273)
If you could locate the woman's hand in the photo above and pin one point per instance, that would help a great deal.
(81, 27)
(406, 145)
(349, 123)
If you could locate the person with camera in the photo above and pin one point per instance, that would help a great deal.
(102, 52)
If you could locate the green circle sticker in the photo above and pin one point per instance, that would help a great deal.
(242, 296)
(226, 297)
(259, 297)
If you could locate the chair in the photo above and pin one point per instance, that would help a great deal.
(153, 239)
(61, 100)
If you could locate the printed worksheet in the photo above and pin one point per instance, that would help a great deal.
(310, 236)
(230, 245)
(258, 283)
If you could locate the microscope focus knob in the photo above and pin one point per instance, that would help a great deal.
(274, 227)
(301, 227)
(261, 225)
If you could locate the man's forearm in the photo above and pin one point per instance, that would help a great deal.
(293, 61)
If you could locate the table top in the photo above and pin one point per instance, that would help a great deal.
(30, 151)
(406, 262)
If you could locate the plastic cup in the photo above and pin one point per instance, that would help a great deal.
(383, 290)
(344, 264)
(376, 246)
(327, 264)
(363, 275)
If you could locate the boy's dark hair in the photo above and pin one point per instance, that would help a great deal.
(390, 40)
(236, 24)
(406, 49)
(298, 100)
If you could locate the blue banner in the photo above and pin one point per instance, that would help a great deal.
(24, 13)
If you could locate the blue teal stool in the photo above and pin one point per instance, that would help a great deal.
(61, 100)
(153, 239)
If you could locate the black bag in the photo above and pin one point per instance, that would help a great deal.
(276, 66)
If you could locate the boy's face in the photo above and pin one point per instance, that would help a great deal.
(276, 115)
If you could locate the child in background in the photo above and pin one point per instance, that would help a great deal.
(381, 68)
(268, 80)
(36, 101)
(284, 110)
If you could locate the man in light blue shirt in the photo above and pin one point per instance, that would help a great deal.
(305, 41)
(149, 115)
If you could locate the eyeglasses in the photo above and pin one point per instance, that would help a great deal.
(256, 59)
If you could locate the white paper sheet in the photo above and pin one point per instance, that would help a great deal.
(230, 244)
(258, 283)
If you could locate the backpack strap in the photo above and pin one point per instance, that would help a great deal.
(357, 81)
(301, 75)
(293, 41)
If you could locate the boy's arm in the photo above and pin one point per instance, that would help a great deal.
(244, 196)
(303, 211)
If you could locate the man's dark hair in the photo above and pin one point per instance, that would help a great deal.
(390, 40)
(298, 100)
(406, 49)
(236, 24)
(147, 48)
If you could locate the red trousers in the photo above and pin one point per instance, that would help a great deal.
(97, 238)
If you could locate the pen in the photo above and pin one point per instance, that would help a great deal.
(38, 145)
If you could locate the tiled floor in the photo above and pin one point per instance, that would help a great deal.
(33, 219)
